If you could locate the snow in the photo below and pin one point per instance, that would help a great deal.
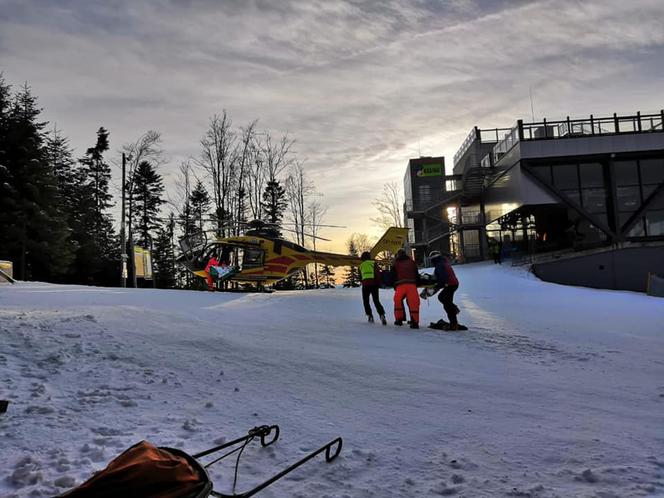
(555, 390)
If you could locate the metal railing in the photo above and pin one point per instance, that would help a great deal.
(488, 135)
(506, 144)
(571, 128)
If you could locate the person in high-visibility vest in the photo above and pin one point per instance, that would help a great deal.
(370, 274)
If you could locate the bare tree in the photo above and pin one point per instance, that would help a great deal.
(245, 156)
(317, 211)
(182, 206)
(362, 242)
(277, 155)
(256, 180)
(218, 160)
(389, 206)
(146, 148)
(298, 188)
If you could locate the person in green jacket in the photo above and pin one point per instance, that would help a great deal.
(370, 274)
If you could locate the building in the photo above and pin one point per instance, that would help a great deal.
(425, 192)
(583, 199)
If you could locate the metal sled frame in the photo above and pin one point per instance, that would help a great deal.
(268, 434)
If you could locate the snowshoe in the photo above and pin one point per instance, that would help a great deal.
(447, 326)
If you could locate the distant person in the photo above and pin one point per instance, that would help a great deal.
(447, 281)
(371, 279)
(209, 278)
(495, 248)
(405, 276)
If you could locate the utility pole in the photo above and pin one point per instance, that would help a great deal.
(123, 240)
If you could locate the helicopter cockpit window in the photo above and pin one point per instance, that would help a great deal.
(252, 258)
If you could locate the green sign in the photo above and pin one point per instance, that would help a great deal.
(429, 170)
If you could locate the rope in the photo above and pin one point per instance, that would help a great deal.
(222, 457)
(237, 462)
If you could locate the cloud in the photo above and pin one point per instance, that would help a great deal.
(362, 86)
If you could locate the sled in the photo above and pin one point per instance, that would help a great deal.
(221, 274)
(148, 471)
(443, 325)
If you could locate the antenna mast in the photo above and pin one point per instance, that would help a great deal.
(532, 108)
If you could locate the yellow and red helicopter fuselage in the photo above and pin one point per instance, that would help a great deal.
(265, 259)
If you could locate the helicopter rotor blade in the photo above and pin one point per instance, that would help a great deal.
(306, 234)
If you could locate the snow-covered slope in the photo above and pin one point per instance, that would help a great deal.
(555, 391)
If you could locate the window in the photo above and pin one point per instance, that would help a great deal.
(626, 173)
(252, 258)
(544, 173)
(592, 175)
(629, 198)
(637, 229)
(648, 190)
(655, 222)
(652, 171)
(573, 195)
(594, 200)
(424, 193)
(565, 176)
(658, 202)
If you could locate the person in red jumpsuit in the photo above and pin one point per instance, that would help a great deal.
(404, 271)
(210, 281)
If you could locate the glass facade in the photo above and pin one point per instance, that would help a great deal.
(636, 181)
(586, 185)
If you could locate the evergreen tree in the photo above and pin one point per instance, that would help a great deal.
(98, 255)
(98, 175)
(352, 278)
(200, 202)
(164, 255)
(328, 274)
(192, 221)
(147, 192)
(60, 159)
(274, 204)
(33, 228)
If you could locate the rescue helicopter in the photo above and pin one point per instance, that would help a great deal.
(261, 256)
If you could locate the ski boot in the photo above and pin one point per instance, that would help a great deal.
(370, 318)
(383, 320)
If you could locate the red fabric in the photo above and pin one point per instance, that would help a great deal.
(412, 297)
(210, 281)
(143, 470)
(213, 262)
(405, 271)
(451, 276)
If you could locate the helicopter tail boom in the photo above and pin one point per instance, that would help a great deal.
(391, 241)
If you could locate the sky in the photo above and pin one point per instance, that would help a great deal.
(361, 86)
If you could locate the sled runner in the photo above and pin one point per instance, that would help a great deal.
(147, 471)
(443, 325)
